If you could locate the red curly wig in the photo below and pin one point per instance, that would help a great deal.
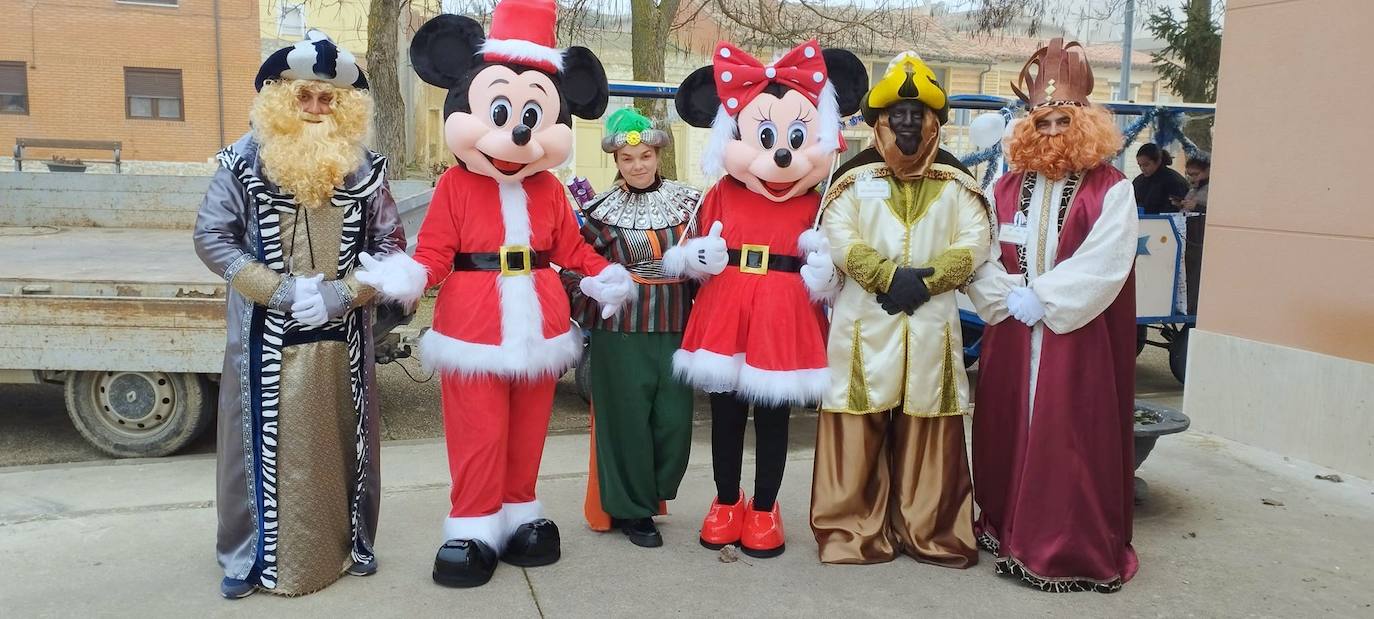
(1091, 139)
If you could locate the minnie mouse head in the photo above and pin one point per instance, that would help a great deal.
(511, 95)
(774, 127)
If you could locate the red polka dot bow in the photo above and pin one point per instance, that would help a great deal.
(740, 77)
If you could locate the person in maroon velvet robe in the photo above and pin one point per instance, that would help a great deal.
(1052, 431)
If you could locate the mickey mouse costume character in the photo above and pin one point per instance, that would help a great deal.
(501, 334)
(756, 335)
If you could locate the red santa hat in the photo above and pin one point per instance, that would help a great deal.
(523, 32)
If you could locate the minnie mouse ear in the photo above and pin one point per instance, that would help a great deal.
(445, 48)
(696, 99)
(849, 76)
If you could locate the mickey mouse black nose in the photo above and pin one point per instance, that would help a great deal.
(521, 135)
(782, 157)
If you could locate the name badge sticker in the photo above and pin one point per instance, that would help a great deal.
(873, 189)
(1016, 232)
(1012, 233)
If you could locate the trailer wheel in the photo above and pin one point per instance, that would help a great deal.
(1142, 335)
(139, 414)
(1178, 354)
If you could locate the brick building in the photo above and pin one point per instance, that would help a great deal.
(171, 79)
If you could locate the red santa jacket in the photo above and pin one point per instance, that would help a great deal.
(487, 321)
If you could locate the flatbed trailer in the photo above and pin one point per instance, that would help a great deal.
(101, 291)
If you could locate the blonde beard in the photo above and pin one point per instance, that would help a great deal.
(309, 160)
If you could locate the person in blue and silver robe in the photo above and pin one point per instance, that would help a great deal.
(293, 209)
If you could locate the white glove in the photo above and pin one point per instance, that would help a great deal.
(1025, 305)
(396, 276)
(819, 276)
(307, 286)
(698, 258)
(309, 307)
(611, 288)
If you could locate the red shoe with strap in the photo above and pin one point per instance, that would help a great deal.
(762, 537)
(723, 524)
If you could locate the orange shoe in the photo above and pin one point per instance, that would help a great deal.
(723, 524)
(762, 537)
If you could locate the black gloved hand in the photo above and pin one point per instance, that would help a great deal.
(908, 288)
(889, 305)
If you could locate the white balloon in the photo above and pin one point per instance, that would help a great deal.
(986, 130)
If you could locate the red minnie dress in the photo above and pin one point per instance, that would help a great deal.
(757, 334)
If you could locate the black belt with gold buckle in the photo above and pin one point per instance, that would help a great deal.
(757, 260)
(511, 260)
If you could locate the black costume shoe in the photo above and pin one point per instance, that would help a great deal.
(362, 569)
(464, 563)
(533, 544)
(641, 532)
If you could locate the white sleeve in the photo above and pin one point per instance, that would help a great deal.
(1078, 289)
(991, 282)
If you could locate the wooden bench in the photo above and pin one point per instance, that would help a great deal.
(22, 143)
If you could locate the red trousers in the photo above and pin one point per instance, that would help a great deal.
(495, 429)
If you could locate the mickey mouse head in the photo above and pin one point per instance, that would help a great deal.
(512, 95)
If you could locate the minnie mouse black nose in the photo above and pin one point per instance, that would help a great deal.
(521, 135)
(782, 157)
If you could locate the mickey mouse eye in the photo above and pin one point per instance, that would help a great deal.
(768, 135)
(531, 115)
(500, 111)
(796, 135)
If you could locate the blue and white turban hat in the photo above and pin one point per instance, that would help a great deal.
(316, 58)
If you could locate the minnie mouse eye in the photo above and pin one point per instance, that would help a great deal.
(531, 115)
(768, 135)
(796, 135)
(500, 111)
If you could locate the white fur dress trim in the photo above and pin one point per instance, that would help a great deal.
(716, 373)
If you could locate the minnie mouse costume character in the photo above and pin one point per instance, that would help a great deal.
(501, 334)
(756, 335)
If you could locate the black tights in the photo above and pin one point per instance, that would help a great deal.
(729, 416)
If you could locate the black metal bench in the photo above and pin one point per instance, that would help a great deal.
(22, 143)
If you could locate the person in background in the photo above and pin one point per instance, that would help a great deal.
(642, 416)
(1199, 171)
(1158, 188)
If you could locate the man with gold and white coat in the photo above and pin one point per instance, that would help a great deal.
(907, 224)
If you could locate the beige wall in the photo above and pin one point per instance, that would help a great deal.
(1283, 355)
(76, 52)
(1290, 233)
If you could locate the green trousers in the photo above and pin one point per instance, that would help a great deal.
(643, 420)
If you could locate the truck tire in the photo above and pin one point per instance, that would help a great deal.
(139, 414)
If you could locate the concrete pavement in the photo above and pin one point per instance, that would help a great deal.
(135, 538)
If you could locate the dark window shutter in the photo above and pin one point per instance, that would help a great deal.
(164, 83)
(13, 79)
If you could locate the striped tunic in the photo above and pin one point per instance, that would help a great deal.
(634, 229)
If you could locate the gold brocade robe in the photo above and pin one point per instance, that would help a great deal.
(880, 362)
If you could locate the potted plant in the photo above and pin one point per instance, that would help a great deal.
(63, 164)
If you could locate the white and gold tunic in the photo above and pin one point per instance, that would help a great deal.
(878, 361)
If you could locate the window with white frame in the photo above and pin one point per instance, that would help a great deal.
(291, 20)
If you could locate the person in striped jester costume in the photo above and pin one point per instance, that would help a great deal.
(642, 416)
(288, 215)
